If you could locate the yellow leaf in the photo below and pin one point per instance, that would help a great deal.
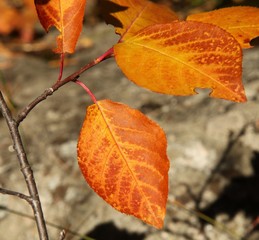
(178, 57)
(134, 15)
(241, 22)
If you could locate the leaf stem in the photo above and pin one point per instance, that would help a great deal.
(73, 77)
(61, 68)
(87, 90)
(25, 169)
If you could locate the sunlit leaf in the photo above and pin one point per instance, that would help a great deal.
(241, 22)
(66, 16)
(122, 155)
(178, 57)
(129, 16)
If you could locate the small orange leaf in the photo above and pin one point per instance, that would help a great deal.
(135, 15)
(122, 155)
(66, 16)
(9, 19)
(22, 20)
(178, 57)
(241, 22)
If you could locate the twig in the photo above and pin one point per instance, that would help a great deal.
(16, 194)
(25, 169)
(233, 140)
(206, 218)
(73, 77)
(62, 235)
(61, 228)
(251, 229)
(18, 145)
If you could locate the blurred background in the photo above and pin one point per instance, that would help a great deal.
(213, 144)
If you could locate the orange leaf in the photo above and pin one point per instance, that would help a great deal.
(178, 57)
(241, 22)
(122, 155)
(129, 16)
(9, 19)
(66, 16)
(22, 20)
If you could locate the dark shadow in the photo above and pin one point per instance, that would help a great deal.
(108, 231)
(255, 42)
(149, 107)
(227, 3)
(107, 8)
(41, 2)
(242, 194)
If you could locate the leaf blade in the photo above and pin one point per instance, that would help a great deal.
(201, 56)
(135, 15)
(128, 169)
(66, 16)
(241, 22)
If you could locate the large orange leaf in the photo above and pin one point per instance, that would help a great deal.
(122, 155)
(134, 15)
(66, 16)
(178, 57)
(241, 22)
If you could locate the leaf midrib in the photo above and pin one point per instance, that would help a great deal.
(184, 63)
(123, 156)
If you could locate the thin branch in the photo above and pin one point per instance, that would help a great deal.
(216, 224)
(16, 194)
(18, 145)
(233, 140)
(61, 228)
(62, 235)
(25, 169)
(73, 77)
(251, 229)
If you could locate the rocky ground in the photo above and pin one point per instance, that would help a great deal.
(213, 146)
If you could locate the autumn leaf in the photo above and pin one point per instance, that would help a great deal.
(241, 22)
(178, 57)
(66, 16)
(122, 155)
(9, 19)
(22, 20)
(134, 15)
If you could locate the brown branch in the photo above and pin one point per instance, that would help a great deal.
(233, 139)
(73, 77)
(16, 194)
(62, 235)
(13, 126)
(251, 229)
(25, 169)
(61, 228)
